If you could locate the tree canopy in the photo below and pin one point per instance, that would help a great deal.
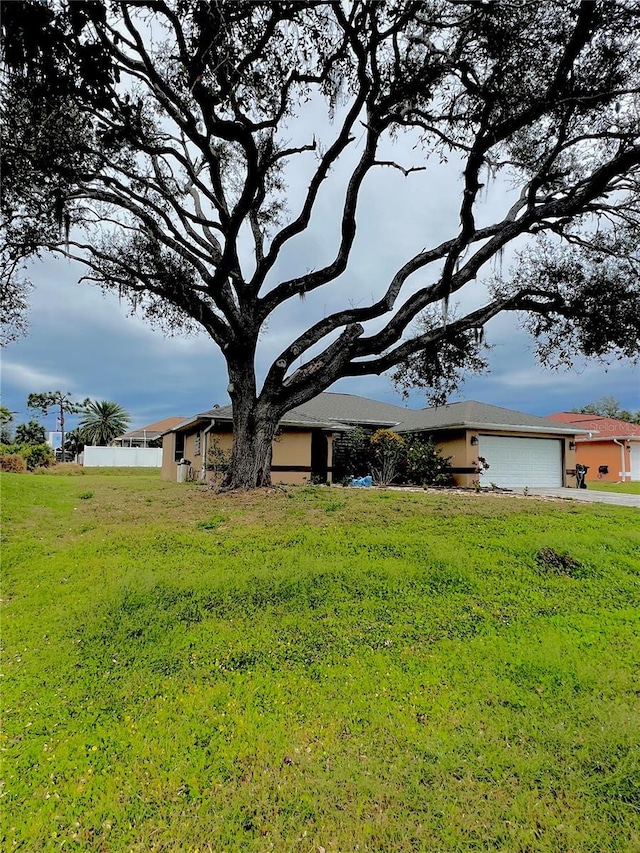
(30, 433)
(6, 419)
(609, 407)
(156, 143)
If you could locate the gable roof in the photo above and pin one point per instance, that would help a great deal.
(474, 415)
(349, 408)
(326, 411)
(602, 428)
(340, 411)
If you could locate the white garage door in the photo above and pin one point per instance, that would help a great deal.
(519, 462)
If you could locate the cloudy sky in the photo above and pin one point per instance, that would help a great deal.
(88, 343)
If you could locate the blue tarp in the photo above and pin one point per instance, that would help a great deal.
(361, 481)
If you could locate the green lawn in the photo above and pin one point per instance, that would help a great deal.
(316, 670)
(632, 488)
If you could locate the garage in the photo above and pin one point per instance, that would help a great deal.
(518, 462)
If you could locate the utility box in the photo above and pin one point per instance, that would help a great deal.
(183, 470)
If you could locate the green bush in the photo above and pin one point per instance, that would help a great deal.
(425, 464)
(10, 449)
(34, 455)
(218, 459)
(351, 455)
(38, 456)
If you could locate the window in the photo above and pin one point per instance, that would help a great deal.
(198, 444)
(179, 448)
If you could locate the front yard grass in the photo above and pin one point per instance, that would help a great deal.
(316, 669)
(629, 488)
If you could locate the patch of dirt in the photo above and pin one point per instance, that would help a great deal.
(558, 564)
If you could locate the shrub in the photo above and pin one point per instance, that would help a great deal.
(34, 455)
(388, 450)
(218, 459)
(13, 462)
(37, 456)
(425, 464)
(68, 469)
(389, 456)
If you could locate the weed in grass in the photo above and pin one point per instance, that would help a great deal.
(210, 523)
(85, 496)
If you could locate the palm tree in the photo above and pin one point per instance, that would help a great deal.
(102, 421)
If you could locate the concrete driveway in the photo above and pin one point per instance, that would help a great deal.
(589, 495)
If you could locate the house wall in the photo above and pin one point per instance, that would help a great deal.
(291, 461)
(291, 451)
(596, 453)
(457, 447)
(169, 467)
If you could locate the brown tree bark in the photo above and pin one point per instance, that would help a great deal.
(254, 427)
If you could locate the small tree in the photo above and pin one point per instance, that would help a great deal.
(218, 460)
(388, 452)
(352, 454)
(102, 421)
(38, 456)
(30, 433)
(54, 400)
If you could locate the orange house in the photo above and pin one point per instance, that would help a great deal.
(610, 449)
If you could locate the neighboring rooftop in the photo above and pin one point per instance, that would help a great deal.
(151, 431)
(600, 427)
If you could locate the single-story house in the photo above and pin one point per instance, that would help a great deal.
(521, 450)
(147, 435)
(610, 448)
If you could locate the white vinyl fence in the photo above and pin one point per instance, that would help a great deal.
(122, 457)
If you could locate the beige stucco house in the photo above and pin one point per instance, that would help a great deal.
(520, 449)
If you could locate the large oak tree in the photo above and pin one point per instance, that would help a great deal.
(152, 141)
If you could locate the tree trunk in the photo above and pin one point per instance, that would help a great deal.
(254, 427)
(251, 454)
